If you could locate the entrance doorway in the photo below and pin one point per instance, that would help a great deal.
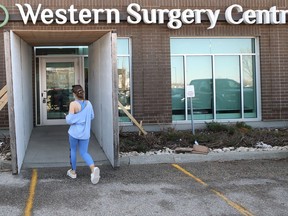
(57, 77)
(102, 86)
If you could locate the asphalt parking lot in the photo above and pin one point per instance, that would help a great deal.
(254, 187)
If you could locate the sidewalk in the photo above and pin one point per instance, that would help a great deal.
(212, 156)
(189, 158)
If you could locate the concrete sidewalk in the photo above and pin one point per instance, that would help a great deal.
(187, 158)
(212, 156)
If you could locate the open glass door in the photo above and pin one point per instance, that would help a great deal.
(57, 77)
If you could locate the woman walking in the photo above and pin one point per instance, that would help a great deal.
(79, 118)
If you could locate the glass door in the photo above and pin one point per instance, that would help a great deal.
(57, 77)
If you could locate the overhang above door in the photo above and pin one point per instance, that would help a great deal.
(60, 38)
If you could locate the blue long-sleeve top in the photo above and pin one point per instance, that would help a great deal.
(80, 123)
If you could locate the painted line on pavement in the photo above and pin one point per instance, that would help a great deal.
(189, 174)
(236, 206)
(30, 200)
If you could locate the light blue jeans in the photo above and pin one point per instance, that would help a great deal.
(83, 149)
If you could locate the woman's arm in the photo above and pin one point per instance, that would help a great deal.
(69, 119)
(72, 107)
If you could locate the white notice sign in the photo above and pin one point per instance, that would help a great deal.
(190, 91)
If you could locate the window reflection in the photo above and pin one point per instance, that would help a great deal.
(177, 88)
(123, 46)
(123, 67)
(223, 72)
(212, 45)
(59, 79)
(124, 84)
(228, 89)
(199, 74)
(249, 84)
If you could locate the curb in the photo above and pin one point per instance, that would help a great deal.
(185, 158)
(212, 156)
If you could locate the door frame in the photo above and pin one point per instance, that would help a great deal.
(79, 79)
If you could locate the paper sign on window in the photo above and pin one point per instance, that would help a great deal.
(190, 91)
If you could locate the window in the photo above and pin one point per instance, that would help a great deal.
(223, 72)
(124, 74)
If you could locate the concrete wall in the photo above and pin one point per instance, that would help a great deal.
(101, 94)
(21, 57)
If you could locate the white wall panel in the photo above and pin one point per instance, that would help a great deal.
(21, 56)
(102, 95)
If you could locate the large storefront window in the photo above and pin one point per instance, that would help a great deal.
(124, 59)
(223, 72)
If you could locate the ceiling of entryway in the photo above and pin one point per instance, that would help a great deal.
(60, 38)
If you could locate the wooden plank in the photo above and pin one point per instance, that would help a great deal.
(132, 118)
(3, 101)
(179, 150)
(9, 79)
(141, 126)
(197, 149)
(3, 91)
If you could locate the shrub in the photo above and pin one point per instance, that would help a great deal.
(218, 127)
(243, 125)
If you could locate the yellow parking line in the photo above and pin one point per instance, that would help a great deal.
(189, 174)
(238, 207)
(30, 200)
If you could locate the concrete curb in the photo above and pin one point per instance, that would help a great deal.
(212, 156)
(178, 158)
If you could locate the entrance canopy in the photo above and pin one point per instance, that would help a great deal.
(102, 93)
(60, 38)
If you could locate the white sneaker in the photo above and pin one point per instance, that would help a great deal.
(95, 176)
(71, 174)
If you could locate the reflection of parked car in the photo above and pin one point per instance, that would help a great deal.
(178, 100)
(228, 96)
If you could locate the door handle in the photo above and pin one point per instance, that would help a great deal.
(43, 95)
